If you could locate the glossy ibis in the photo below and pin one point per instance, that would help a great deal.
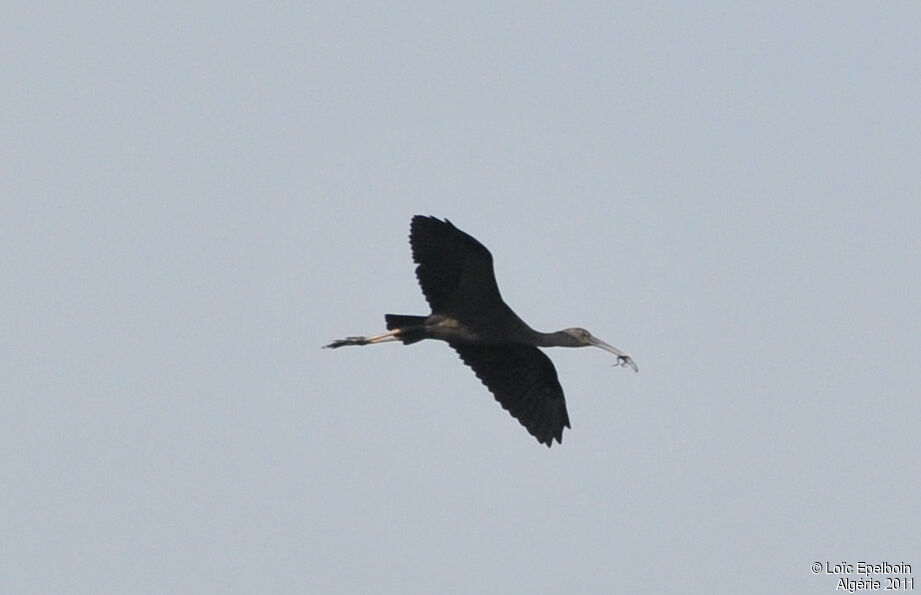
(456, 274)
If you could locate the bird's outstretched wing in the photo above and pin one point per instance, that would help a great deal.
(455, 271)
(524, 382)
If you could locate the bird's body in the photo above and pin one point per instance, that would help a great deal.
(456, 275)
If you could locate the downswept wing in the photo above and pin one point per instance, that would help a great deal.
(524, 382)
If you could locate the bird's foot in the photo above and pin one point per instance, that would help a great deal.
(382, 338)
(347, 341)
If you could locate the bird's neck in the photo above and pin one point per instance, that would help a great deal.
(557, 339)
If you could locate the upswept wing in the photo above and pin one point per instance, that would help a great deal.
(454, 270)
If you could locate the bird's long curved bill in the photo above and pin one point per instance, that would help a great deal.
(622, 358)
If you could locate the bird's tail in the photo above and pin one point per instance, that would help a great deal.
(412, 328)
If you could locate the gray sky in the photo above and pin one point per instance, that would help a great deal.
(196, 197)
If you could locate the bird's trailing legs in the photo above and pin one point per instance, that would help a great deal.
(382, 338)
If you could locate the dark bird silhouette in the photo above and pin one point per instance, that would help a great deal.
(456, 274)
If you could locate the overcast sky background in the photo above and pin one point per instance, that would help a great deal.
(196, 197)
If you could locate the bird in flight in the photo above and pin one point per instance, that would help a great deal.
(456, 275)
